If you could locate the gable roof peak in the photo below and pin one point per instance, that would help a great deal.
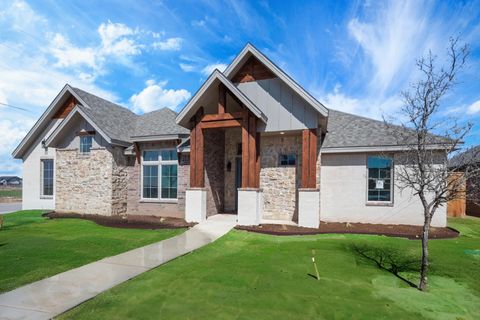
(250, 50)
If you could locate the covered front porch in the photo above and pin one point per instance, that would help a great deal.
(229, 172)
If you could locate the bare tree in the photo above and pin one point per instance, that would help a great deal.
(430, 140)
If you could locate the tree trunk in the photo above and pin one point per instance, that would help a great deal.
(424, 270)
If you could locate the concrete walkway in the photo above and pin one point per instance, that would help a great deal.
(50, 297)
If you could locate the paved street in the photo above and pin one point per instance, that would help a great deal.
(10, 207)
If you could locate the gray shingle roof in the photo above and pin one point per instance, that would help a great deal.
(348, 130)
(122, 124)
(116, 121)
(158, 122)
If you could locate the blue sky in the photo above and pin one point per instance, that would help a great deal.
(354, 56)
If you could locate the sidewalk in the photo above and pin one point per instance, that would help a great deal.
(52, 296)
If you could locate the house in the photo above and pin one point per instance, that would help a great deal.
(251, 141)
(12, 181)
(468, 204)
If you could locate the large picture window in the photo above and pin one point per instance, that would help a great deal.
(159, 172)
(47, 177)
(380, 179)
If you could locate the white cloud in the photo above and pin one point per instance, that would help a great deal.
(172, 44)
(12, 133)
(393, 36)
(207, 70)
(68, 55)
(111, 32)
(187, 67)
(474, 107)
(116, 41)
(155, 96)
(340, 101)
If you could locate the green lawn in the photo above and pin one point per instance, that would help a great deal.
(252, 276)
(33, 247)
(15, 193)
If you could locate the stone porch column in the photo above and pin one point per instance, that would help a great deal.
(195, 204)
(250, 206)
(308, 207)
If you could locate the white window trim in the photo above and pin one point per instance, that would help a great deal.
(80, 145)
(392, 182)
(158, 163)
(43, 196)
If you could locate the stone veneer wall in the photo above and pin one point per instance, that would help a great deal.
(136, 206)
(84, 183)
(119, 181)
(214, 144)
(280, 183)
(232, 138)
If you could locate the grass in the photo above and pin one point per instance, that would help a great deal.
(248, 276)
(14, 193)
(33, 247)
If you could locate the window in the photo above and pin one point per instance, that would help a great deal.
(169, 181)
(85, 144)
(164, 162)
(47, 177)
(287, 159)
(379, 179)
(150, 182)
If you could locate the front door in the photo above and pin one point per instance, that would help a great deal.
(238, 179)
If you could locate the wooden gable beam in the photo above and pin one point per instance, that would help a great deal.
(221, 124)
(224, 116)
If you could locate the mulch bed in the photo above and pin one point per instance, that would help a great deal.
(128, 221)
(404, 231)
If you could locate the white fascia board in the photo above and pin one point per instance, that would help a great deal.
(158, 137)
(249, 48)
(17, 153)
(206, 85)
(74, 111)
(375, 149)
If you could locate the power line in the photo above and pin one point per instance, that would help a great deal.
(10, 106)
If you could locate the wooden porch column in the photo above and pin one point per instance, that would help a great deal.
(245, 148)
(257, 164)
(309, 158)
(250, 151)
(197, 176)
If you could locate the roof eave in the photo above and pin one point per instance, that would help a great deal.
(161, 137)
(387, 148)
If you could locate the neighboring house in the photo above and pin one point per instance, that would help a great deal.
(468, 205)
(251, 141)
(12, 181)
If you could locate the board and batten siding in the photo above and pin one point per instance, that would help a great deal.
(343, 195)
(284, 108)
(31, 198)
